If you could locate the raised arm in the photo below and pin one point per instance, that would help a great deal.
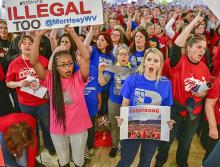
(168, 28)
(128, 29)
(84, 53)
(53, 36)
(39, 69)
(89, 38)
(181, 39)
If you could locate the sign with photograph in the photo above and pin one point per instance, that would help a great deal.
(145, 122)
(23, 15)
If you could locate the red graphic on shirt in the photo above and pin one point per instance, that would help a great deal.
(190, 83)
(3, 52)
(24, 72)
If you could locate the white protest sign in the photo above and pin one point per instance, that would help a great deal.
(214, 5)
(145, 122)
(27, 15)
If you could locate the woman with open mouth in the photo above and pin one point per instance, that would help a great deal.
(69, 118)
(146, 87)
(187, 73)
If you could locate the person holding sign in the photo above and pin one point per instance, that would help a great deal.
(145, 87)
(115, 80)
(188, 74)
(69, 117)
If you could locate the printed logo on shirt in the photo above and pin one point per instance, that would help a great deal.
(142, 96)
(135, 61)
(153, 44)
(88, 89)
(117, 84)
(67, 98)
(24, 72)
(104, 60)
(90, 79)
(3, 51)
(191, 82)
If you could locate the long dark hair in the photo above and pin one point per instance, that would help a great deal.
(142, 31)
(107, 37)
(73, 47)
(57, 92)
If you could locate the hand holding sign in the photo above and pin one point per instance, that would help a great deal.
(198, 19)
(41, 32)
(69, 29)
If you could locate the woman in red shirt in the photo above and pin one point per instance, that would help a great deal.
(187, 73)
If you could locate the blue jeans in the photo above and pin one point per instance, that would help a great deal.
(9, 159)
(213, 159)
(42, 114)
(129, 149)
(186, 133)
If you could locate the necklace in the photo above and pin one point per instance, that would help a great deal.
(26, 64)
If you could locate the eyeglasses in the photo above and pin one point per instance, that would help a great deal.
(65, 65)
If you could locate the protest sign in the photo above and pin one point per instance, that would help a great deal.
(145, 122)
(27, 15)
(214, 5)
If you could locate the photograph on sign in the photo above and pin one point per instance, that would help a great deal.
(145, 122)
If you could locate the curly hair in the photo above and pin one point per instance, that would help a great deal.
(17, 137)
(73, 47)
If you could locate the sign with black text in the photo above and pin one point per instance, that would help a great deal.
(27, 15)
(145, 122)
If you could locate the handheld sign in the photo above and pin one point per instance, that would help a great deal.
(46, 14)
(145, 122)
(214, 5)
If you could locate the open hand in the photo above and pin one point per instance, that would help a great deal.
(119, 120)
(170, 124)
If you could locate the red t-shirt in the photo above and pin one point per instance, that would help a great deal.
(214, 93)
(163, 40)
(213, 40)
(17, 71)
(11, 119)
(216, 62)
(2, 75)
(184, 77)
(166, 68)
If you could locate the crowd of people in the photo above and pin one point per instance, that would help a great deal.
(175, 52)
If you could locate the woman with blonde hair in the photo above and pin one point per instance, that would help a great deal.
(146, 87)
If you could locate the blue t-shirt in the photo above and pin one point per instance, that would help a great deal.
(140, 90)
(97, 57)
(91, 90)
(136, 58)
(116, 82)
